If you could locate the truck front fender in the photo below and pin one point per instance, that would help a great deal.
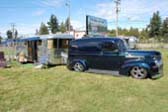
(125, 68)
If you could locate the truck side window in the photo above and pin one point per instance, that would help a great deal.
(109, 46)
(89, 46)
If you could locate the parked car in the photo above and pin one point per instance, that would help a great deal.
(112, 54)
(131, 41)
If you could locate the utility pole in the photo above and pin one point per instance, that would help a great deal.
(68, 4)
(13, 37)
(13, 30)
(117, 2)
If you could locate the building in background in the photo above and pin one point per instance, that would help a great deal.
(79, 34)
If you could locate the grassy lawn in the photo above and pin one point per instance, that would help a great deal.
(25, 89)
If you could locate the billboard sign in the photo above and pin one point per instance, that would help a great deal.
(95, 25)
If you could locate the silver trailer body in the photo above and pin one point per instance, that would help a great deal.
(54, 49)
(42, 49)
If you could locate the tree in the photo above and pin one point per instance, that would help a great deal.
(53, 24)
(37, 32)
(68, 25)
(0, 39)
(133, 32)
(43, 29)
(124, 32)
(144, 34)
(128, 32)
(9, 34)
(16, 34)
(155, 25)
(165, 28)
(111, 33)
(62, 27)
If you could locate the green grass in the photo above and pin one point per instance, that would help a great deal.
(25, 89)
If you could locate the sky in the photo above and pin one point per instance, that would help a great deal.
(28, 14)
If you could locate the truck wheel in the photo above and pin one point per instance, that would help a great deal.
(78, 67)
(138, 72)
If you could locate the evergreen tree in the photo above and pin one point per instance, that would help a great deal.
(62, 27)
(16, 34)
(0, 39)
(67, 24)
(112, 33)
(9, 34)
(125, 32)
(53, 24)
(129, 32)
(43, 29)
(165, 28)
(133, 32)
(144, 34)
(155, 25)
(37, 32)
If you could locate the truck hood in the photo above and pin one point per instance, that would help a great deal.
(138, 53)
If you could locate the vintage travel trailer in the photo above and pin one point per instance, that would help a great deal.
(27, 49)
(54, 48)
(45, 49)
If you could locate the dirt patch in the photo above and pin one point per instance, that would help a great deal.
(2, 78)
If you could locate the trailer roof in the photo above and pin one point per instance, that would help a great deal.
(30, 39)
(57, 36)
(39, 37)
